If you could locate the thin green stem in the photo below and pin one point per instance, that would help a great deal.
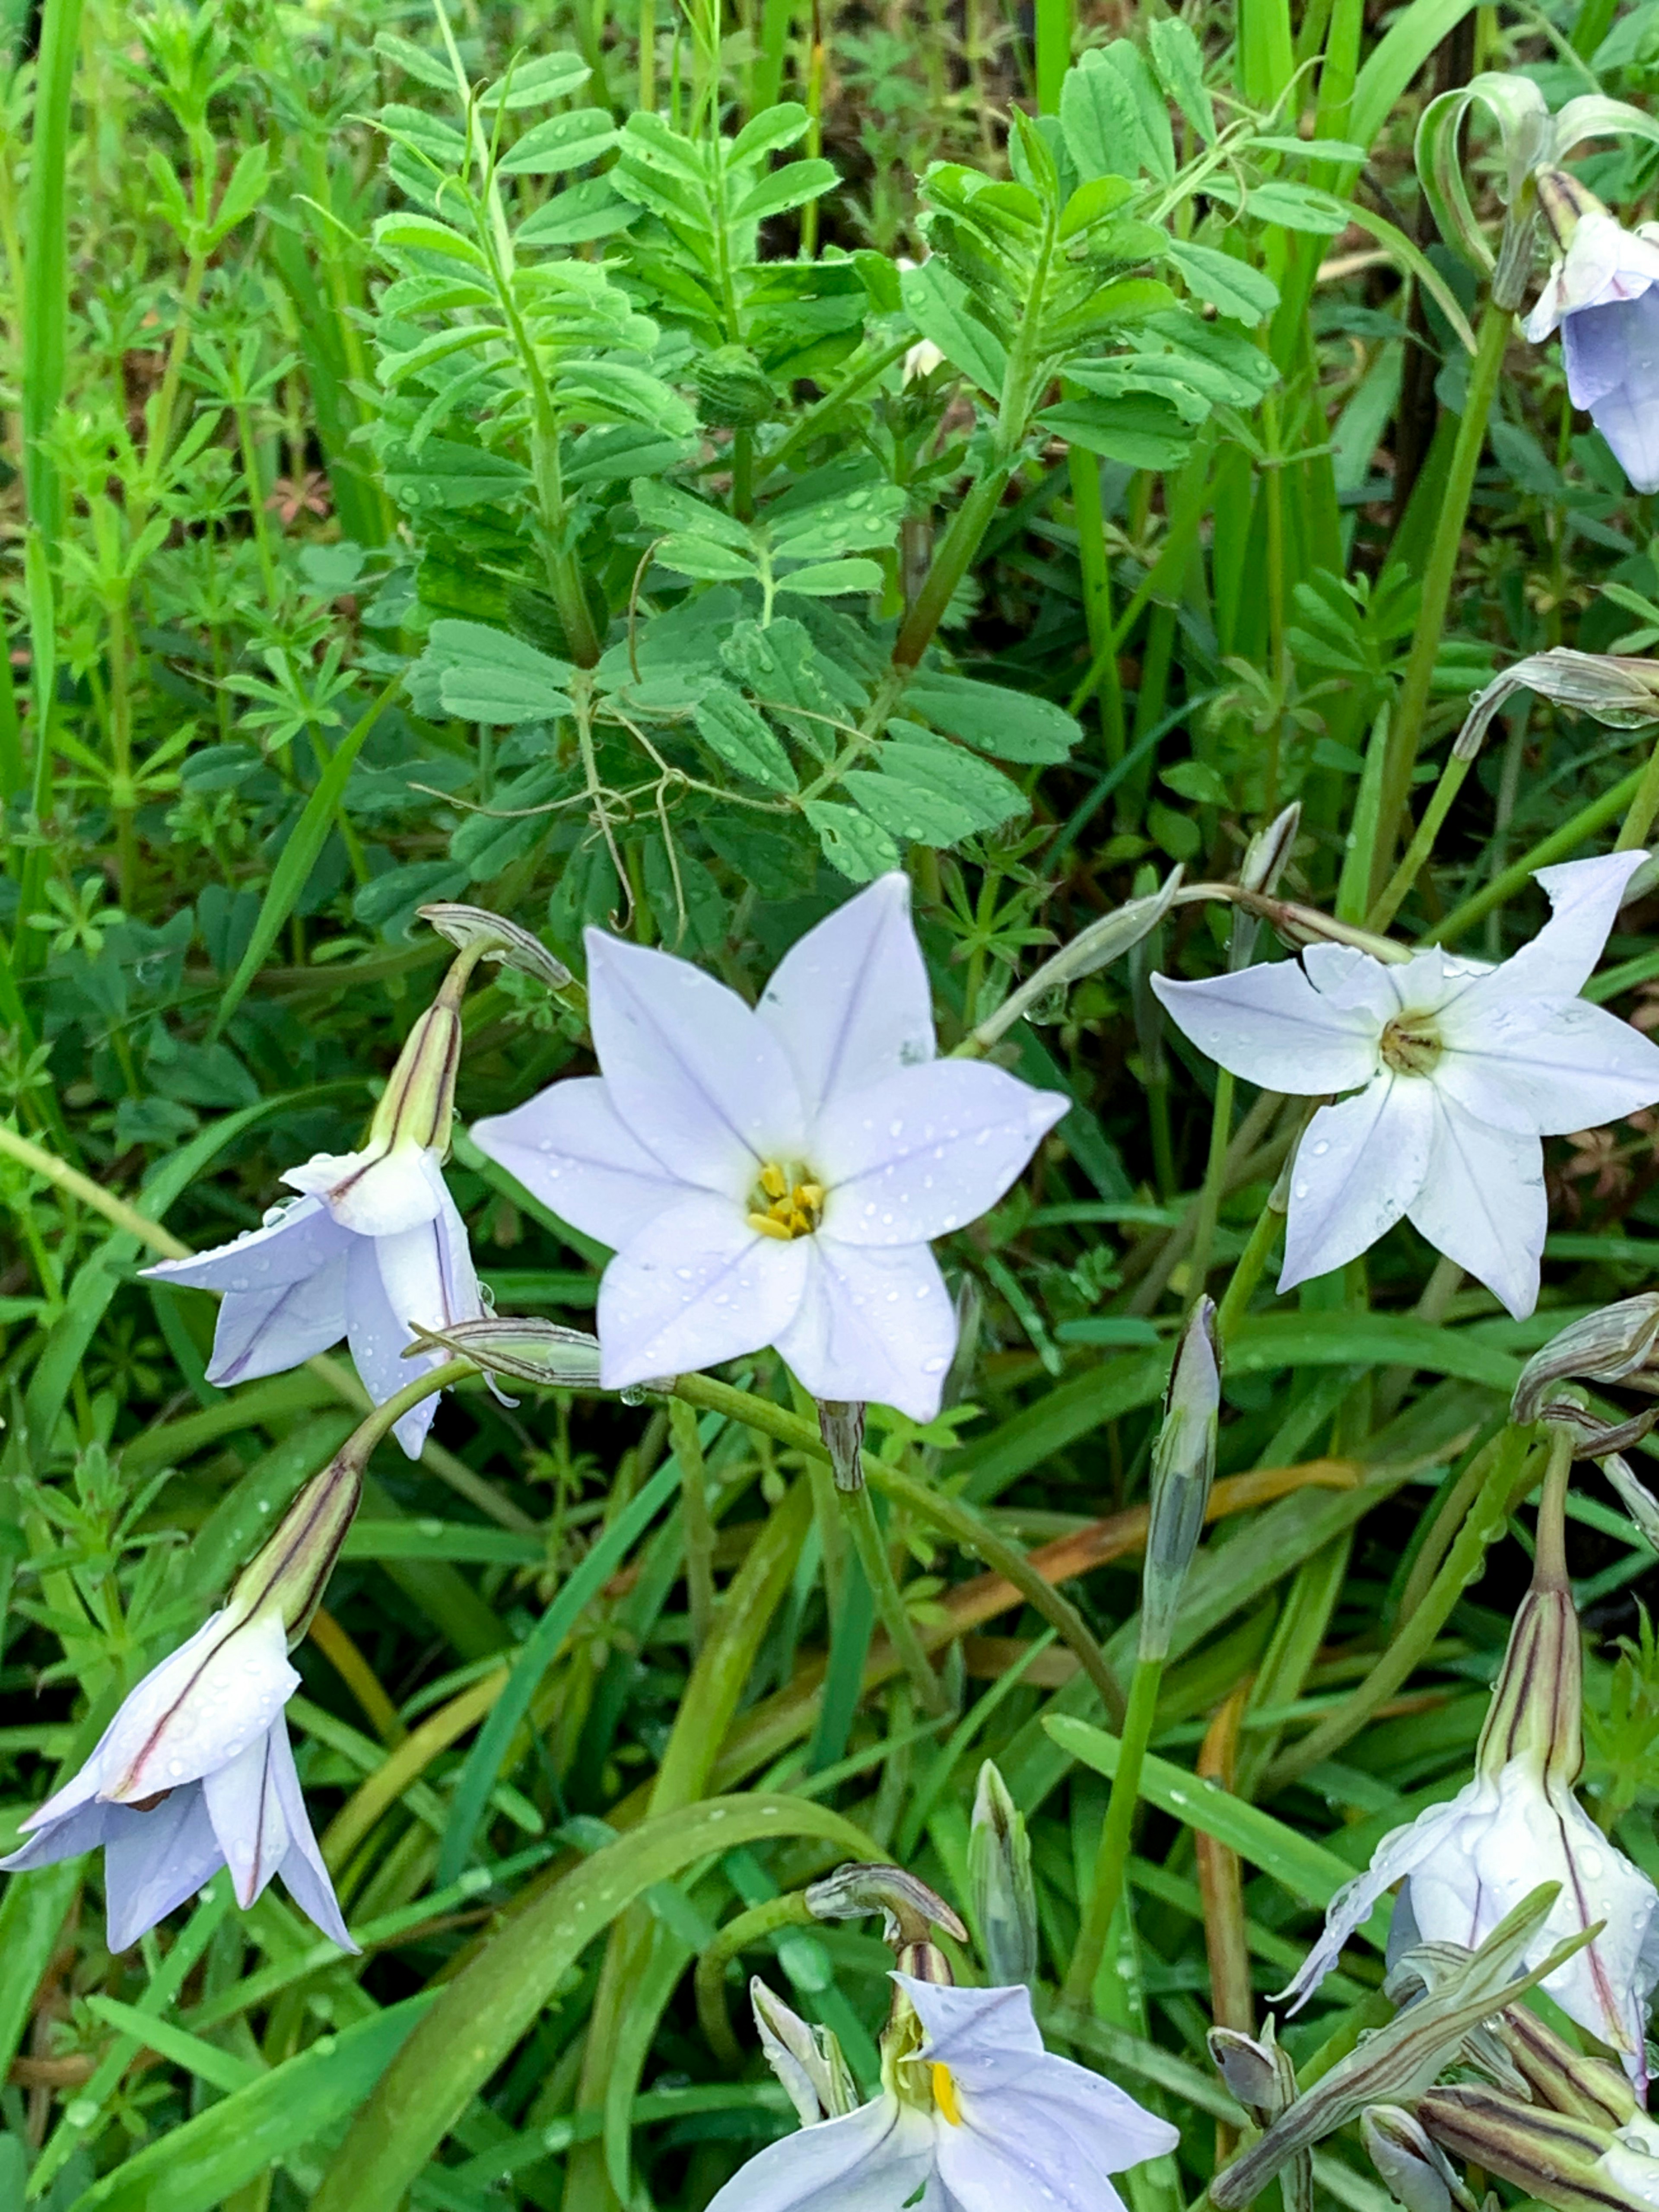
(746, 1932)
(1511, 1474)
(871, 1545)
(1209, 1198)
(1112, 1856)
(1556, 847)
(698, 1524)
(65, 1178)
(1633, 831)
(1406, 729)
(1235, 1299)
(947, 1514)
(1439, 806)
(1054, 51)
(1085, 471)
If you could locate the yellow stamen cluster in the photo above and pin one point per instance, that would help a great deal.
(945, 2092)
(785, 1207)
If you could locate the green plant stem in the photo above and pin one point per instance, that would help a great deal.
(1398, 885)
(1556, 847)
(1209, 1198)
(946, 1515)
(744, 1933)
(1633, 831)
(1054, 51)
(871, 1545)
(65, 1178)
(699, 1525)
(1405, 727)
(1106, 1889)
(1084, 472)
(1511, 1474)
(952, 558)
(1235, 1299)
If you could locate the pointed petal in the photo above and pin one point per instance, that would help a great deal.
(927, 1150)
(568, 1148)
(694, 1074)
(1540, 1067)
(199, 1710)
(1627, 419)
(303, 1238)
(246, 1816)
(1358, 1167)
(850, 1001)
(1269, 1025)
(268, 1332)
(153, 1861)
(1585, 896)
(83, 1827)
(1606, 1986)
(374, 1193)
(870, 2161)
(696, 1286)
(1398, 1854)
(305, 1876)
(872, 1324)
(423, 1274)
(1482, 1203)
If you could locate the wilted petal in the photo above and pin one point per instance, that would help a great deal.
(372, 1193)
(1358, 1167)
(304, 1875)
(870, 2161)
(1482, 1203)
(1269, 1025)
(153, 1861)
(1541, 1067)
(1398, 1853)
(200, 1708)
(246, 1816)
(927, 1150)
(1585, 896)
(696, 1286)
(695, 1075)
(568, 1148)
(851, 999)
(872, 1324)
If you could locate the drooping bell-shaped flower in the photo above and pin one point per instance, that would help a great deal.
(1458, 1070)
(1465, 1864)
(1601, 292)
(972, 2111)
(774, 1175)
(196, 1771)
(373, 1243)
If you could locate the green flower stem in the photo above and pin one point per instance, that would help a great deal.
(1247, 1274)
(1405, 727)
(1633, 831)
(1558, 845)
(1452, 782)
(946, 1515)
(1511, 1472)
(699, 1525)
(1106, 1890)
(871, 1547)
(745, 1933)
(1209, 1198)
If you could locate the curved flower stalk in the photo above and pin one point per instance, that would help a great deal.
(774, 1176)
(1465, 1864)
(1459, 1070)
(972, 2111)
(373, 1248)
(1600, 294)
(196, 1771)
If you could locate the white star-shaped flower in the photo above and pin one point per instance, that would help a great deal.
(985, 2121)
(1602, 293)
(1459, 1068)
(773, 1175)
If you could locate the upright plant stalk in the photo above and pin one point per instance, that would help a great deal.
(45, 323)
(872, 1548)
(1106, 1891)
(1406, 730)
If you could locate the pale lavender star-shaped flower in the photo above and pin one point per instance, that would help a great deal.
(1602, 293)
(774, 1175)
(980, 2119)
(1460, 1069)
(194, 1773)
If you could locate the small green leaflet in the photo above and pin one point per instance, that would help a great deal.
(853, 844)
(487, 675)
(1009, 725)
(1231, 287)
(741, 736)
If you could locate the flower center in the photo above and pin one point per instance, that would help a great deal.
(945, 2092)
(1411, 1044)
(785, 1202)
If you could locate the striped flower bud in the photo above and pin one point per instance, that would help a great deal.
(1183, 1468)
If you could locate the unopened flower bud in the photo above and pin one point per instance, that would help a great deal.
(1535, 1714)
(1616, 689)
(1563, 202)
(1000, 1884)
(1093, 948)
(417, 1107)
(1258, 2071)
(1183, 1468)
(1603, 1346)
(1414, 2168)
(1565, 2079)
(491, 937)
(1571, 2163)
(909, 1908)
(734, 393)
(538, 1351)
(807, 2060)
(1265, 860)
(289, 1572)
(840, 1423)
